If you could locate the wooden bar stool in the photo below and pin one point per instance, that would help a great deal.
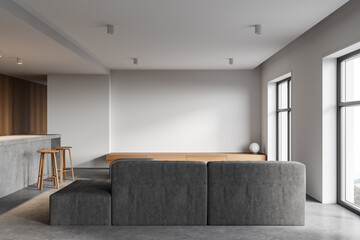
(63, 168)
(54, 174)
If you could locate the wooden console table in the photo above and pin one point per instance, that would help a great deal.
(205, 157)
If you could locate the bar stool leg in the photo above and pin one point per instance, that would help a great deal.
(61, 166)
(40, 170)
(64, 169)
(53, 169)
(72, 169)
(55, 172)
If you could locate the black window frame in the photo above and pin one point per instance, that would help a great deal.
(278, 111)
(341, 105)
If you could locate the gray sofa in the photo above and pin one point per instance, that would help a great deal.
(186, 193)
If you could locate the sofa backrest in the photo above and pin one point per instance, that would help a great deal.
(256, 193)
(159, 193)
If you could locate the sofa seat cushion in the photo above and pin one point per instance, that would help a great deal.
(83, 202)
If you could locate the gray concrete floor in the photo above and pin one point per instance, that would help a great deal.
(24, 215)
(19, 197)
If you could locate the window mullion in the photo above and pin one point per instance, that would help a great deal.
(289, 107)
(277, 122)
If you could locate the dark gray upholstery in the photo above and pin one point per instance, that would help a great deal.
(256, 193)
(84, 202)
(159, 193)
(130, 159)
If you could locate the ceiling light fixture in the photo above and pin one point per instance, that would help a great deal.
(231, 61)
(257, 28)
(110, 29)
(19, 61)
(135, 61)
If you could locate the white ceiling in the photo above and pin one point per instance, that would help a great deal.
(40, 54)
(163, 34)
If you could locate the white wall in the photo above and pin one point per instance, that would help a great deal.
(304, 59)
(78, 109)
(179, 111)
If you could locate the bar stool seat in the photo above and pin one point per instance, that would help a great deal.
(48, 151)
(63, 168)
(63, 147)
(54, 174)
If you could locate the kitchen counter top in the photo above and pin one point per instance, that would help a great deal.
(16, 139)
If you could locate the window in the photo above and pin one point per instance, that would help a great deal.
(283, 120)
(349, 130)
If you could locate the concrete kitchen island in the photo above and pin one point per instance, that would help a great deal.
(19, 160)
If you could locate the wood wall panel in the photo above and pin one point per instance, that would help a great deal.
(38, 107)
(23, 107)
(5, 107)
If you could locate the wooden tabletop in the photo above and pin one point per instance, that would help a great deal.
(188, 156)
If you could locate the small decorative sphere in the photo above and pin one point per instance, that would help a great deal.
(254, 147)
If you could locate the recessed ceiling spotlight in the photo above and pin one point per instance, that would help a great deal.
(258, 28)
(135, 61)
(231, 61)
(110, 29)
(19, 61)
